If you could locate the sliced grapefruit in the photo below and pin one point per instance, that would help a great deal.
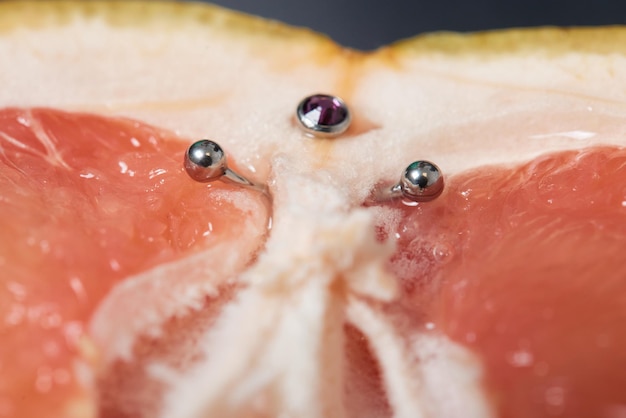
(130, 291)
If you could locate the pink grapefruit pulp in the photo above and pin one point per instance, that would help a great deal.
(525, 267)
(132, 291)
(86, 203)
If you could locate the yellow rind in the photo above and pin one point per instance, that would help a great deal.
(170, 15)
(548, 40)
(20, 14)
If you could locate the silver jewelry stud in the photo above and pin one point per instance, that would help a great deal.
(205, 161)
(323, 115)
(421, 181)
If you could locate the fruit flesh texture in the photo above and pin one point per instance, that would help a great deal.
(525, 266)
(507, 261)
(86, 203)
(464, 101)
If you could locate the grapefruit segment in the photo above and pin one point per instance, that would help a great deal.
(525, 267)
(88, 202)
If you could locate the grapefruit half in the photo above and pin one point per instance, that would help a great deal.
(128, 290)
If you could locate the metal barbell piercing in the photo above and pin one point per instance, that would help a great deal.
(205, 161)
(421, 181)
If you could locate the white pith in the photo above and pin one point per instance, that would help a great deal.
(321, 260)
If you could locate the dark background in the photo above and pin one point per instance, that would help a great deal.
(368, 24)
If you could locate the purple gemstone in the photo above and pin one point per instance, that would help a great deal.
(322, 109)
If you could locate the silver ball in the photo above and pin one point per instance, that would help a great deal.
(205, 161)
(422, 181)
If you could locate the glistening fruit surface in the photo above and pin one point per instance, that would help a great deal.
(86, 203)
(525, 266)
(463, 102)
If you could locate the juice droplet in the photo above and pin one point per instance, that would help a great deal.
(443, 252)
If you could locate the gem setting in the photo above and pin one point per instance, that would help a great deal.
(323, 115)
